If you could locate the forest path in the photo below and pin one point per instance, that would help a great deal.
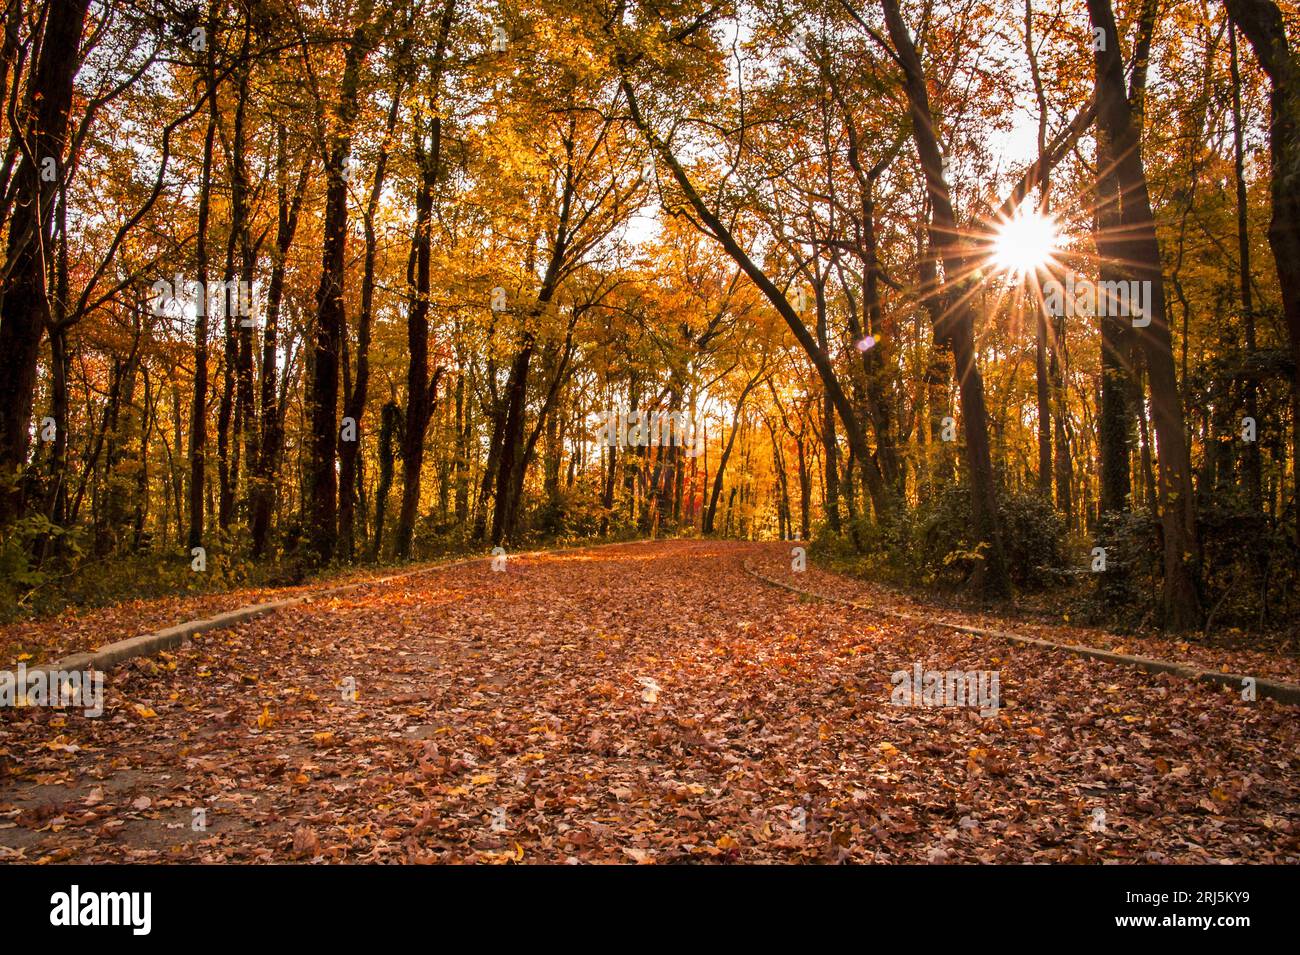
(648, 702)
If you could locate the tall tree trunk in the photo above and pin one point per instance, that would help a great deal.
(198, 407)
(1253, 470)
(1060, 399)
(1041, 344)
(24, 306)
(420, 390)
(331, 320)
(354, 404)
(1181, 597)
(952, 315)
(262, 485)
(512, 441)
(1262, 24)
(464, 432)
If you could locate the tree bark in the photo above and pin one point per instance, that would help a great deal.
(1181, 597)
(24, 306)
(952, 315)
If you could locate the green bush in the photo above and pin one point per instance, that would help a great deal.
(944, 548)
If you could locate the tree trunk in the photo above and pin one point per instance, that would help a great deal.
(952, 315)
(198, 408)
(419, 389)
(24, 307)
(354, 404)
(390, 427)
(1261, 22)
(262, 485)
(331, 320)
(1181, 598)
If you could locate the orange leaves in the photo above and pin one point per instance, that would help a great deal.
(497, 745)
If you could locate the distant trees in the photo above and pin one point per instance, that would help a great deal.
(474, 237)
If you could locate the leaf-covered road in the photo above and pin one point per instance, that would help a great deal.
(638, 703)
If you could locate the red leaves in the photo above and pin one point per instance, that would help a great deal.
(647, 704)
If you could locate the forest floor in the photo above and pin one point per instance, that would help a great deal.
(642, 703)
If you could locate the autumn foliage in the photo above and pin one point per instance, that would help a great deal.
(292, 286)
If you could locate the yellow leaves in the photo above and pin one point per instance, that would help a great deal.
(888, 750)
(142, 711)
(483, 779)
(265, 719)
(726, 843)
(323, 738)
(24, 657)
(487, 742)
(502, 858)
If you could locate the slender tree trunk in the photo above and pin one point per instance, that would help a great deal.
(390, 426)
(331, 320)
(354, 404)
(262, 485)
(952, 315)
(464, 431)
(198, 408)
(1253, 470)
(420, 391)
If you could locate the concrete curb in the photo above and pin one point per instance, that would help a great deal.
(147, 644)
(1264, 687)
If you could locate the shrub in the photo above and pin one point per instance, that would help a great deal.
(944, 546)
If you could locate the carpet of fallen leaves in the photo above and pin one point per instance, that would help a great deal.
(775, 562)
(641, 703)
(74, 630)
